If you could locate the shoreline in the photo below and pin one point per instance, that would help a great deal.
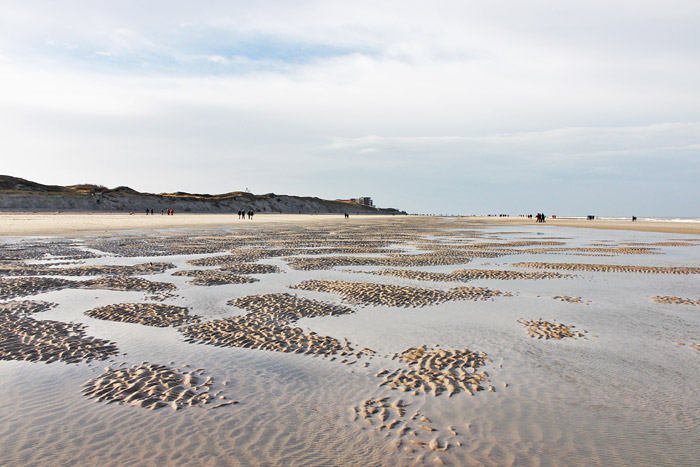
(690, 228)
(88, 223)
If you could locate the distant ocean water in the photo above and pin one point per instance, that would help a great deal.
(647, 219)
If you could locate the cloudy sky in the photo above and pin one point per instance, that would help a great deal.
(465, 107)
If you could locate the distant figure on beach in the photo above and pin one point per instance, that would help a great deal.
(146, 211)
(540, 217)
(250, 214)
(239, 213)
(151, 211)
(634, 218)
(347, 216)
(162, 211)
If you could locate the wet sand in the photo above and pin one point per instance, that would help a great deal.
(640, 225)
(317, 341)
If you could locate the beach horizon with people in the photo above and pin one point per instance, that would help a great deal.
(389, 234)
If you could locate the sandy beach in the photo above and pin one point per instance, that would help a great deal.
(376, 340)
(93, 223)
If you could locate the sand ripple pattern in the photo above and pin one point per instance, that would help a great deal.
(616, 251)
(127, 284)
(493, 250)
(610, 268)
(26, 307)
(147, 245)
(516, 244)
(24, 338)
(255, 332)
(436, 370)
(29, 250)
(38, 270)
(567, 299)
(288, 307)
(544, 329)
(209, 277)
(241, 256)
(268, 326)
(23, 286)
(367, 293)
(344, 250)
(329, 262)
(414, 434)
(670, 243)
(251, 268)
(150, 386)
(464, 275)
(676, 300)
(151, 314)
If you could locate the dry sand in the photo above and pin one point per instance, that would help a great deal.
(76, 223)
(91, 223)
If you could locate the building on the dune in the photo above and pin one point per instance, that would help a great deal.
(362, 200)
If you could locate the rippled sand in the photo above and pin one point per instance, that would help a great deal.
(353, 342)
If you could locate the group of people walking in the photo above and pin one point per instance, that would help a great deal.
(169, 212)
(540, 217)
(242, 214)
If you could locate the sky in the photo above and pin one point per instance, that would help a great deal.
(449, 107)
